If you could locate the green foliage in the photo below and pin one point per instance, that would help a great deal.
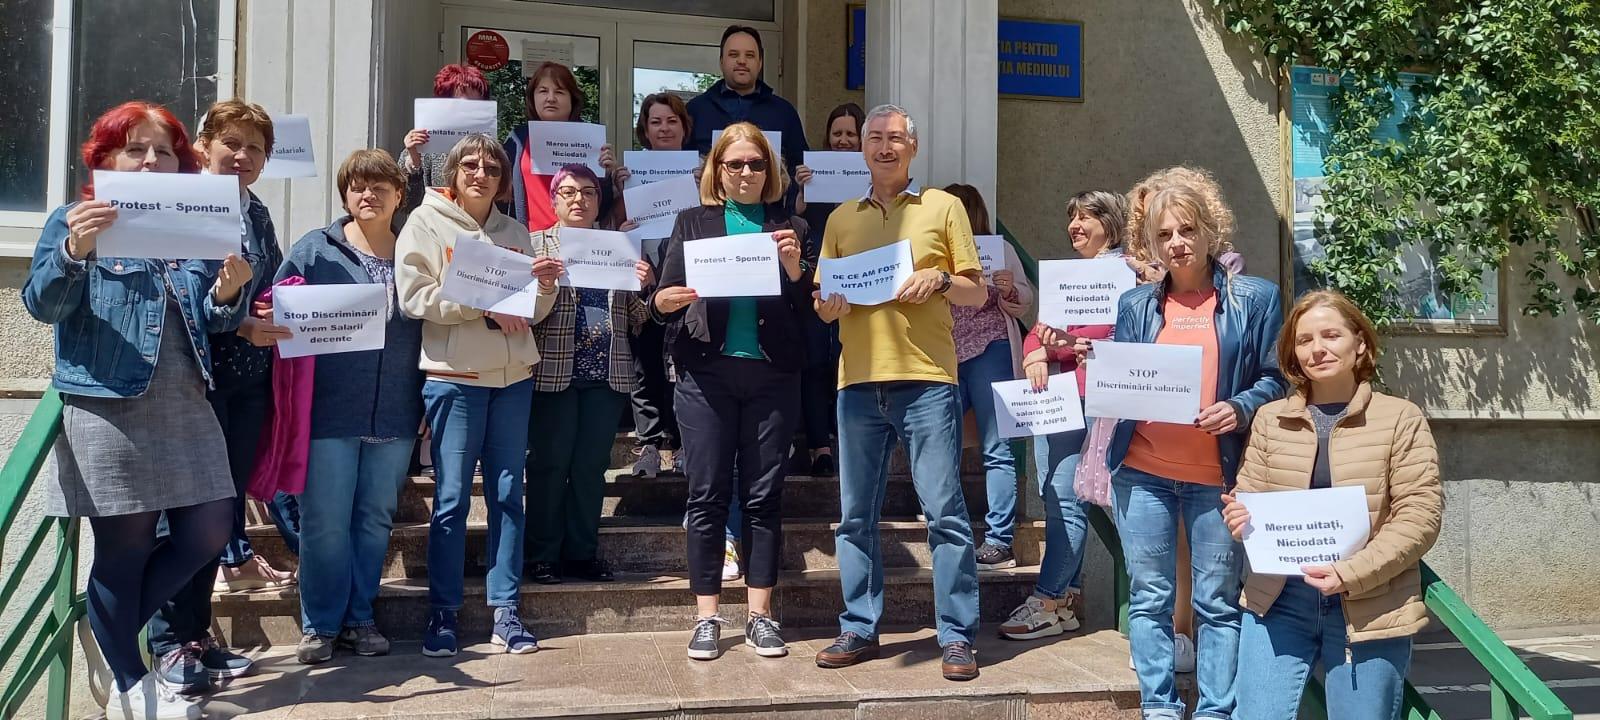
(508, 88)
(1503, 144)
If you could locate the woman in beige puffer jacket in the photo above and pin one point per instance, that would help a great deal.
(1356, 616)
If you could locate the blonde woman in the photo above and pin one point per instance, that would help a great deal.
(1170, 473)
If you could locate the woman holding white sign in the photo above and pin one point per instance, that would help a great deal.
(1096, 222)
(738, 398)
(364, 417)
(478, 390)
(1166, 473)
(1356, 616)
(581, 387)
(426, 170)
(989, 350)
(553, 95)
(132, 365)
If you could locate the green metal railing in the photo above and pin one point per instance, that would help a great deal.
(1514, 690)
(49, 653)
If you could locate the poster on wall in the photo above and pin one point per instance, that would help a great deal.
(1311, 128)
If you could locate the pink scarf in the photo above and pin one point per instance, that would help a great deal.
(285, 446)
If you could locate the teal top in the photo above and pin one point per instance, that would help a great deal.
(741, 341)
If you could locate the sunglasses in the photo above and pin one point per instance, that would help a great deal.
(738, 166)
(469, 167)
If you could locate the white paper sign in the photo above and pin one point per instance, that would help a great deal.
(535, 52)
(291, 156)
(1292, 528)
(836, 176)
(1082, 292)
(1021, 411)
(648, 166)
(489, 277)
(599, 259)
(991, 253)
(655, 207)
(774, 138)
(328, 319)
(867, 278)
(447, 120)
(1143, 381)
(732, 266)
(552, 145)
(170, 215)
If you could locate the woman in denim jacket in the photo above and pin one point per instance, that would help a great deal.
(137, 435)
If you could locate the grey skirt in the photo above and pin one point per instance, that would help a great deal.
(161, 450)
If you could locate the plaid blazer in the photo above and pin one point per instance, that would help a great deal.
(557, 333)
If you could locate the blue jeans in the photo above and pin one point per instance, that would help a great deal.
(352, 490)
(470, 425)
(1066, 522)
(999, 467)
(927, 417)
(1301, 629)
(1148, 511)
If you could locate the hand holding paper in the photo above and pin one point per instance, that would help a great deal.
(1082, 292)
(1144, 381)
(873, 277)
(444, 121)
(1288, 530)
(169, 215)
(491, 278)
(1022, 411)
(733, 266)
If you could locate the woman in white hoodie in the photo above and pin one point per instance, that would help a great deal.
(478, 389)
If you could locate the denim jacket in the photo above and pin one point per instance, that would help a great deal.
(1248, 316)
(109, 313)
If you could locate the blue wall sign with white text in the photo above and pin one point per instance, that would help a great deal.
(1038, 59)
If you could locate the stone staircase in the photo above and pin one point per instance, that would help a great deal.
(642, 537)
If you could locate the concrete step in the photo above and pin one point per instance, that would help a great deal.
(634, 603)
(622, 457)
(661, 547)
(645, 675)
(630, 496)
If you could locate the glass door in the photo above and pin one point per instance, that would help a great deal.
(509, 46)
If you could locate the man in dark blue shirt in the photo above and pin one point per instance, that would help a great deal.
(742, 96)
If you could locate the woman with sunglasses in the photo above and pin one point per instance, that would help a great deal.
(479, 367)
(580, 389)
(738, 396)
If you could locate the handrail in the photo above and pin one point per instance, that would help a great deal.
(50, 652)
(1514, 689)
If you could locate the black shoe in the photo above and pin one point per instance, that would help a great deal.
(846, 650)
(823, 466)
(706, 643)
(995, 557)
(595, 570)
(545, 574)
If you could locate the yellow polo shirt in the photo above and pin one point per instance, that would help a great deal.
(895, 340)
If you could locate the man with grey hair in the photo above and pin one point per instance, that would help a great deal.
(897, 380)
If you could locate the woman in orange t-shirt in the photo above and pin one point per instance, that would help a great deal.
(1169, 473)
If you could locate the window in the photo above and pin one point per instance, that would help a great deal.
(68, 61)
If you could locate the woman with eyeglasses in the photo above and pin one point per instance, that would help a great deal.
(138, 439)
(580, 389)
(479, 367)
(738, 396)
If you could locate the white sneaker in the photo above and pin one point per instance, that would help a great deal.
(730, 562)
(1039, 617)
(149, 700)
(1182, 654)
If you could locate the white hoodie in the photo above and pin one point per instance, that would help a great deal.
(457, 343)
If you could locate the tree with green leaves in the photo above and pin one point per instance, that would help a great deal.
(1501, 147)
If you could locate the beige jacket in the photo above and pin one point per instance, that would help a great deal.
(457, 343)
(1383, 445)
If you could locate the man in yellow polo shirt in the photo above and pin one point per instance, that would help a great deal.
(897, 379)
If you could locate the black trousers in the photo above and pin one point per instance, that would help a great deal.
(736, 410)
(653, 418)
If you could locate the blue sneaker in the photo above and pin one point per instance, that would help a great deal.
(439, 640)
(181, 672)
(510, 634)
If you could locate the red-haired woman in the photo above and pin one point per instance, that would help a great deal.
(426, 170)
(553, 96)
(138, 437)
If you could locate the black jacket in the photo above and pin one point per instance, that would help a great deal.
(696, 333)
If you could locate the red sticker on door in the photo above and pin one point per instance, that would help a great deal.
(488, 50)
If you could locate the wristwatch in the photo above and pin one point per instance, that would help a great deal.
(944, 282)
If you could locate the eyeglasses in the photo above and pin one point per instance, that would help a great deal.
(738, 166)
(568, 193)
(470, 167)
